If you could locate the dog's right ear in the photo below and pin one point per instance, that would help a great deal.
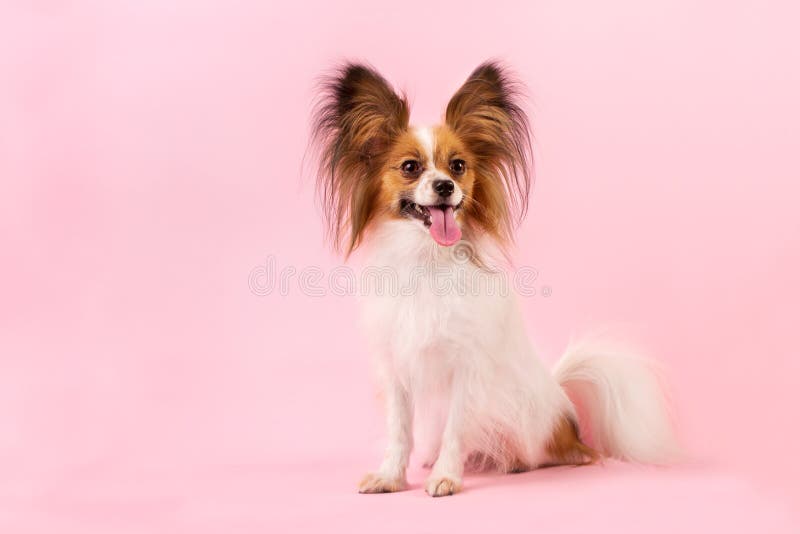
(356, 119)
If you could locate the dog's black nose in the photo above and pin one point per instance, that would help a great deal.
(444, 187)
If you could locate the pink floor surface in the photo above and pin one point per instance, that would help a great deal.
(151, 162)
(321, 497)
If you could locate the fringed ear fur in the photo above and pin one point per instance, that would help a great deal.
(356, 119)
(486, 115)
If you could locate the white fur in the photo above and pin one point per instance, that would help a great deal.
(424, 135)
(458, 362)
(620, 395)
(424, 195)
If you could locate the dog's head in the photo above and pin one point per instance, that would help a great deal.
(469, 174)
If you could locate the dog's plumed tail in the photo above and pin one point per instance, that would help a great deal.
(622, 408)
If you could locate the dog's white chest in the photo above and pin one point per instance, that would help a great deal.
(425, 307)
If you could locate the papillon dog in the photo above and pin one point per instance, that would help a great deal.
(438, 205)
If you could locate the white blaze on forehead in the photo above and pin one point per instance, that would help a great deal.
(424, 194)
(424, 135)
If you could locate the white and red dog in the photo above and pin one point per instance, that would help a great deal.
(458, 362)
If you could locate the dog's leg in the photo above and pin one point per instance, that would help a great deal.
(391, 476)
(445, 478)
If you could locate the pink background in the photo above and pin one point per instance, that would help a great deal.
(150, 158)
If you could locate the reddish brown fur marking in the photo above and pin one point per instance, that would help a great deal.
(565, 446)
(357, 121)
(361, 131)
(393, 184)
(447, 147)
(485, 115)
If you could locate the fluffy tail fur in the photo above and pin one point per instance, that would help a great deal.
(622, 409)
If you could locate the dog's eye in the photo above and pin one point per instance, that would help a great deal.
(458, 166)
(411, 167)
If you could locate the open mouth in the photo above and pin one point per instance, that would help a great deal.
(423, 213)
(415, 211)
(439, 220)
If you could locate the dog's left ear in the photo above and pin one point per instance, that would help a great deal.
(486, 115)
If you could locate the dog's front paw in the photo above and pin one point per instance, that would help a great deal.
(378, 483)
(441, 486)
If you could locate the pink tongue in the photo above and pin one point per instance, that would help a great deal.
(444, 229)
